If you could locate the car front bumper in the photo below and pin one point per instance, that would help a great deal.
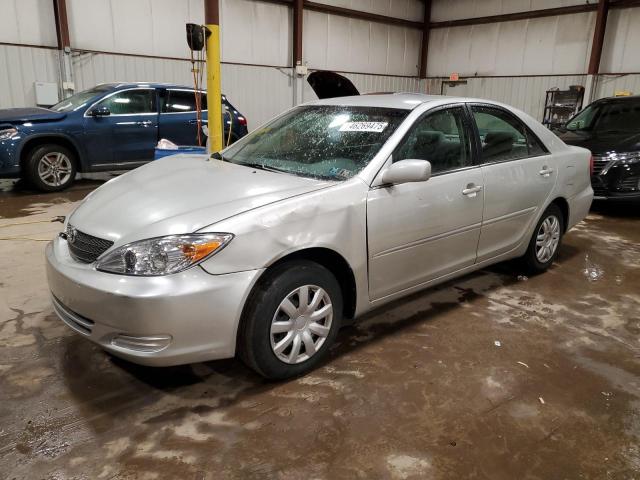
(176, 319)
(10, 157)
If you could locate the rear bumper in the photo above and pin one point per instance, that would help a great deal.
(176, 319)
(579, 206)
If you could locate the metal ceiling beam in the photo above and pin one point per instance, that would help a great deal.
(507, 17)
(424, 48)
(546, 12)
(598, 37)
(350, 13)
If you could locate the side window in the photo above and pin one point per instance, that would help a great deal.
(178, 101)
(441, 138)
(131, 102)
(504, 137)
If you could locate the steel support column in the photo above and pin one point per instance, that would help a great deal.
(424, 49)
(214, 95)
(598, 37)
(66, 87)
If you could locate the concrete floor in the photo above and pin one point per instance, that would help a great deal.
(490, 376)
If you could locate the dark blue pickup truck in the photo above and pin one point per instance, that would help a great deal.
(112, 126)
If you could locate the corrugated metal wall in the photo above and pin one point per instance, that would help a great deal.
(21, 67)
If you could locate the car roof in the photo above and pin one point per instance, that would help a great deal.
(122, 85)
(403, 101)
(621, 98)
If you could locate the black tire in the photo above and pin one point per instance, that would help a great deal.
(66, 170)
(532, 263)
(255, 341)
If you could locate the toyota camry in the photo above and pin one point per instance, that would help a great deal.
(331, 209)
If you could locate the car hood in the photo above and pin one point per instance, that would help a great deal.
(330, 84)
(603, 143)
(181, 194)
(20, 115)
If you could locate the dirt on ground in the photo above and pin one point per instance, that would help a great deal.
(491, 376)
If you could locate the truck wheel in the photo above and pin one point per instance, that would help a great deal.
(291, 319)
(50, 167)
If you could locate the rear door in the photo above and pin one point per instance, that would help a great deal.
(128, 135)
(420, 231)
(178, 120)
(519, 174)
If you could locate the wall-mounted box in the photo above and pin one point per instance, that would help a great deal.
(46, 94)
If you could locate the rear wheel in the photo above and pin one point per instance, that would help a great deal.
(291, 320)
(50, 167)
(545, 242)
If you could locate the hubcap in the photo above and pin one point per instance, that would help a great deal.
(547, 239)
(54, 169)
(301, 324)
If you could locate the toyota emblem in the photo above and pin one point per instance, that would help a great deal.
(71, 234)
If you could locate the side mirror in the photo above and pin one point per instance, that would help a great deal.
(406, 171)
(100, 112)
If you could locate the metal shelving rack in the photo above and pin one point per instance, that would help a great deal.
(561, 105)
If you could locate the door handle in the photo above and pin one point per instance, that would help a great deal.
(472, 190)
(145, 123)
(193, 122)
(546, 171)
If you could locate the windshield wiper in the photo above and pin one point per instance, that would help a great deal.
(262, 166)
(218, 156)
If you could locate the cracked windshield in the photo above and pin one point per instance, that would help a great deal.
(332, 143)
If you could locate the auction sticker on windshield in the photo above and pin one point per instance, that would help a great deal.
(363, 127)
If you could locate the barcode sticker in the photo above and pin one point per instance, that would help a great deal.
(363, 126)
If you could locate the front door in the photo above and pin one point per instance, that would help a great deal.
(128, 134)
(420, 231)
(519, 175)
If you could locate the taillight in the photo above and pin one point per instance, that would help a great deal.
(591, 166)
(242, 121)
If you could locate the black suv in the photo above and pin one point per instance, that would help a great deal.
(610, 128)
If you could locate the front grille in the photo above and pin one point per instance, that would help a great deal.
(84, 247)
(599, 189)
(599, 164)
(630, 184)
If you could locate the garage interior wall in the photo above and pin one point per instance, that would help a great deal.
(144, 40)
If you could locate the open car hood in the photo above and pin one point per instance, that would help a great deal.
(330, 85)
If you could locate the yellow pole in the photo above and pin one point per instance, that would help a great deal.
(214, 94)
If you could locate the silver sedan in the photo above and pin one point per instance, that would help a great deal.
(330, 210)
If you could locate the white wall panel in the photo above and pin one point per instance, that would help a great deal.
(251, 31)
(332, 42)
(552, 45)
(443, 10)
(406, 9)
(608, 84)
(622, 41)
(255, 32)
(22, 66)
(27, 21)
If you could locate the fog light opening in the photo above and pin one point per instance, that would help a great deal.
(142, 344)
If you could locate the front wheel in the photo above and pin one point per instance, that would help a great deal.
(50, 167)
(545, 242)
(291, 320)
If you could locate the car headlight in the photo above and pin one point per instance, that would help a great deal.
(163, 255)
(6, 133)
